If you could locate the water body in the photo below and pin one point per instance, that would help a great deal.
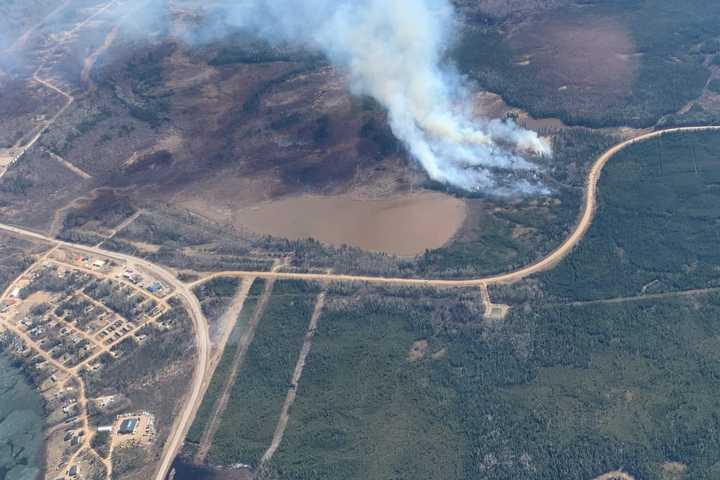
(21, 425)
(182, 469)
(404, 225)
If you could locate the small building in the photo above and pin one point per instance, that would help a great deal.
(74, 471)
(155, 287)
(99, 263)
(127, 427)
(15, 292)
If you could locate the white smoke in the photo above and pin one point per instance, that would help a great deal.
(393, 50)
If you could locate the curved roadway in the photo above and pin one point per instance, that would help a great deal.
(553, 258)
(182, 424)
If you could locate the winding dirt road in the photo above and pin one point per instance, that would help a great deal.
(183, 422)
(553, 258)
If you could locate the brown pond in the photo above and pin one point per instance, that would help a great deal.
(401, 225)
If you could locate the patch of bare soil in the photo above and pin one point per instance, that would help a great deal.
(616, 475)
(418, 350)
(673, 470)
(491, 105)
(401, 225)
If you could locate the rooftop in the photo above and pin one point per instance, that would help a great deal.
(128, 426)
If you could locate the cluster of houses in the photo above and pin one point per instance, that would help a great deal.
(153, 286)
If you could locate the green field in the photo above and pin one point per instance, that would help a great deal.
(223, 368)
(256, 399)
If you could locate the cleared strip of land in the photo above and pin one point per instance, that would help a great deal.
(199, 380)
(241, 352)
(297, 373)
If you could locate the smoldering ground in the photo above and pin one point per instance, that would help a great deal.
(395, 52)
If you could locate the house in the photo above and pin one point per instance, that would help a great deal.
(127, 427)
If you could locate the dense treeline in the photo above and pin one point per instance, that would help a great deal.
(556, 392)
(656, 228)
(256, 398)
(674, 39)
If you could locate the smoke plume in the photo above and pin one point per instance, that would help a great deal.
(394, 52)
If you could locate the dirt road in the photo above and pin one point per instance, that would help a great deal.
(182, 423)
(297, 373)
(242, 348)
(581, 227)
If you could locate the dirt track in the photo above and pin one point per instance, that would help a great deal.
(581, 227)
(221, 404)
(297, 373)
(182, 423)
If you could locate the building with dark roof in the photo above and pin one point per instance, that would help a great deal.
(127, 427)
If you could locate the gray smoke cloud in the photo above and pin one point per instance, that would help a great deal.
(394, 52)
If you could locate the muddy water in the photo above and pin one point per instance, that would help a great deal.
(401, 225)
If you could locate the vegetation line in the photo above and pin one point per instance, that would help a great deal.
(242, 348)
(640, 298)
